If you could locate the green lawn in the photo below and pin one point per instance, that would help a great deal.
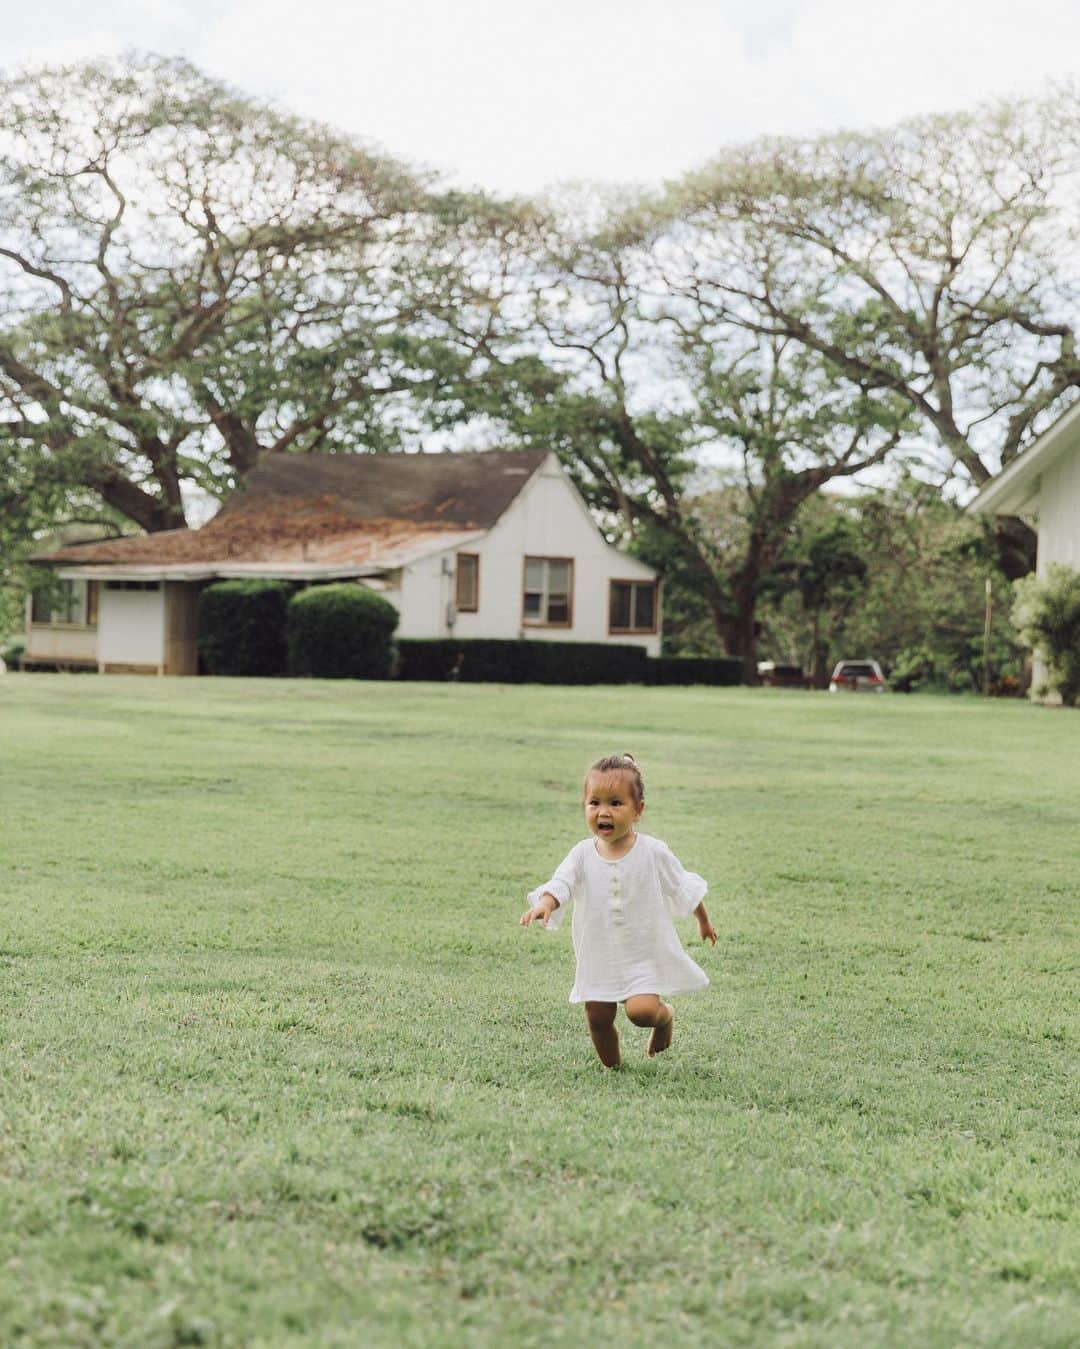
(279, 1067)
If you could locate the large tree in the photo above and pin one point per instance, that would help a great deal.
(191, 278)
(636, 388)
(935, 260)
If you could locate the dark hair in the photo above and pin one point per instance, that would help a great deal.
(621, 763)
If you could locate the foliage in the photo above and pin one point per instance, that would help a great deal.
(495, 661)
(241, 627)
(191, 278)
(340, 631)
(934, 259)
(640, 378)
(11, 652)
(1046, 613)
(823, 564)
(922, 588)
(280, 1068)
(912, 669)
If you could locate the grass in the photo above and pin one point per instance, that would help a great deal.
(279, 1068)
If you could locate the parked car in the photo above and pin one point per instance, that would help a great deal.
(774, 675)
(857, 676)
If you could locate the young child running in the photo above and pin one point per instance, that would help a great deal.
(624, 888)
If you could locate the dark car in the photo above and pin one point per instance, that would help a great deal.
(776, 676)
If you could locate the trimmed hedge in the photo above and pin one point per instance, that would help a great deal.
(696, 670)
(240, 627)
(496, 661)
(340, 631)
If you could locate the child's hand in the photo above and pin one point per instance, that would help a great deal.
(706, 930)
(539, 913)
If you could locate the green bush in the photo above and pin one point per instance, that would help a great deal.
(241, 627)
(12, 651)
(913, 669)
(1046, 612)
(340, 631)
(696, 670)
(508, 661)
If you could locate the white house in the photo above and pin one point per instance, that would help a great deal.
(1042, 487)
(493, 544)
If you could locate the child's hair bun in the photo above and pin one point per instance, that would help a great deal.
(630, 757)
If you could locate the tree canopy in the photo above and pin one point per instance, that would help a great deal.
(192, 278)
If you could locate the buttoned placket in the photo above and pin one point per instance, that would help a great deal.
(617, 914)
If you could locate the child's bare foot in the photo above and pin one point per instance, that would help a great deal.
(661, 1036)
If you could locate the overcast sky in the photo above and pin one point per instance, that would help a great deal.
(515, 95)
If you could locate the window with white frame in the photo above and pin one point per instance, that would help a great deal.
(632, 606)
(66, 603)
(548, 598)
(467, 583)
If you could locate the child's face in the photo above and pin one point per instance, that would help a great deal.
(610, 809)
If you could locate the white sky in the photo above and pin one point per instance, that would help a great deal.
(515, 95)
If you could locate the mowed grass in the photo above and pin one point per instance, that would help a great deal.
(280, 1068)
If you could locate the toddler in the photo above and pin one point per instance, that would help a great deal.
(624, 888)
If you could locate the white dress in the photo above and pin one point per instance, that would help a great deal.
(624, 937)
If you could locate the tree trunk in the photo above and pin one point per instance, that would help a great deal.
(739, 633)
(818, 678)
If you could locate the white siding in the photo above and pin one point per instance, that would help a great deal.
(131, 627)
(1059, 514)
(548, 519)
(427, 587)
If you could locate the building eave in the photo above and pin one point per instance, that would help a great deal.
(226, 571)
(1015, 490)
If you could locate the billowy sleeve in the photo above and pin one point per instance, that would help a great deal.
(682, 890)
(563, 885)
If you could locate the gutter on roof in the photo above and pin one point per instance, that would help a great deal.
(119, 571)
(1015, 490)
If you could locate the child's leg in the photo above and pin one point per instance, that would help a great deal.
(646, 1009)
(601, 1019)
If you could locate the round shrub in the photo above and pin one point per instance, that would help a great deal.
(340, 631)
(1046, 611)
(241, 627)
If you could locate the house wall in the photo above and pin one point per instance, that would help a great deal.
(131, 630)
(1059, 514)
(65, 645)
(548, 519)
(1059, 537)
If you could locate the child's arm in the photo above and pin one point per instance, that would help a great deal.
(541, 912)
(705, 928)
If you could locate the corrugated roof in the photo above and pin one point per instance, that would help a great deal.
(354, 509)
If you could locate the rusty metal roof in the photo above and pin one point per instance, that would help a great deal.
(360, 509)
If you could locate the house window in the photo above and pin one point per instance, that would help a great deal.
(132, 585)
(549, 584)
(467, 589)
(632, 606)
(70, 604)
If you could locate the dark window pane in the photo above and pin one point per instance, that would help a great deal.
(644, 606)
(558, 609)
(532, 605)
(620, 605)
